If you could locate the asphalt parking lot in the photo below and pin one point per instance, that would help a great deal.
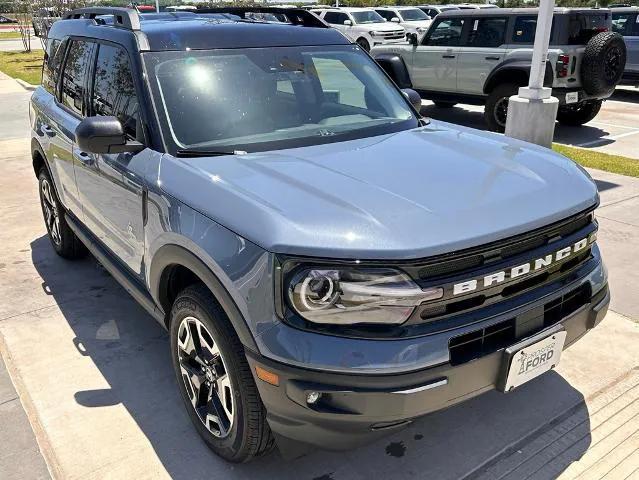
(91, 372)
(615, 130)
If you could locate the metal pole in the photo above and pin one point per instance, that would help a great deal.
(157, 6)
(535, 88)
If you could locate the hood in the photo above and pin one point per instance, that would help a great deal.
(413, 26)
(411, 194)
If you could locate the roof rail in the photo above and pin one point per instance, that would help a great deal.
(297, 16)
(127, 18)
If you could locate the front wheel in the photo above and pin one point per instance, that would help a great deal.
(496, 109)
(362, 42)
(579, 114)
(215, 379)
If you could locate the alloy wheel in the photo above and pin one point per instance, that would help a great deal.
(50, 210)
(501, 111)
(205, 377)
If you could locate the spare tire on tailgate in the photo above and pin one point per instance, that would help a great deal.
(603, 63)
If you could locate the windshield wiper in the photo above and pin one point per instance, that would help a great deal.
(188, 152)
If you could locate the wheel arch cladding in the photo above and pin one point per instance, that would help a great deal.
(515, 71)
(173, 267)
(395, 68)
(38, 158)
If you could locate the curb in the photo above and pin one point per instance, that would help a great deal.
(26, 85)
(27, 404)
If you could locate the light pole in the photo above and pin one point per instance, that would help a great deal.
(157, 6)
(532, 113)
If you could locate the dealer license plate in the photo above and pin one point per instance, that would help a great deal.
(572, 97)
(531, 361)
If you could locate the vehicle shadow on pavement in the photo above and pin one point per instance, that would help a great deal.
(500, 432)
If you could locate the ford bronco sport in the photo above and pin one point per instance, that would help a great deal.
(483, 56)
(329, 264)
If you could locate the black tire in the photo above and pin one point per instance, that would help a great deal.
(603, 63)
(579, 114)
(497, 106)
(362, 42)
(248, 434)
(64, 241)
(440, 104)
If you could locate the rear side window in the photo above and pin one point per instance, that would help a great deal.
(53, 57)
(487, 32)
(387, 14)
(623, 23)
(582, 28)
(114, 90)
(525, 27)
(75, 70)
(446, 33)
(336, 18)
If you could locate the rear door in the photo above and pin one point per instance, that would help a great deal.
(336, 20)
(627, 24)
(434, 62)
(483, 49)
(111, 193)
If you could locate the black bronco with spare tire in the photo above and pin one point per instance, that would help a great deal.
(484, 56)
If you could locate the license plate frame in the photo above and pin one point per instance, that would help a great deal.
(572, 97)
(529, 359)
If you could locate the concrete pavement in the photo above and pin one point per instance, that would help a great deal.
(93, 372)
(615, 130)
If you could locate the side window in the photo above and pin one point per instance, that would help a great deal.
(525, 27)
(635, 30)
(75, 70)
(53, 57)
(114, 90)
(338, 83)
(387, 14)
(446, 33)
(487, 32)
(622, 23)
(336, 18)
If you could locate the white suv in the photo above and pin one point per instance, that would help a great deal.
(413, 19)
(363, 26)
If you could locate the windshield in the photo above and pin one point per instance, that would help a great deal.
(412, 14)
(367, 17)
(259, 99)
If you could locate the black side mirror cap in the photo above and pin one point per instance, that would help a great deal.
(412, 38)
(104, 134)
(413, 97)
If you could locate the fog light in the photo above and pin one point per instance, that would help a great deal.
(312, 397)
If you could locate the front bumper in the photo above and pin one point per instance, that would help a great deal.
(356, 409)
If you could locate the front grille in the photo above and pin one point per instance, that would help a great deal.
(395, 34)
(484, 341)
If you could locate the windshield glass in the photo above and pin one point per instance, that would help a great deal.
(259, 99)
(367, 17)
(412, 14)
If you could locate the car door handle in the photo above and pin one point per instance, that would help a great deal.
(85, 158)
(492, 58)
(448, 56)
(47, 130)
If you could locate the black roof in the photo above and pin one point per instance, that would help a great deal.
(217, 28)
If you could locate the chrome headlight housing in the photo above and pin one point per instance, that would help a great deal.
(352, 296)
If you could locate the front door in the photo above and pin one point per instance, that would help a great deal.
(111, 194)
(434, 62)
(482, 52)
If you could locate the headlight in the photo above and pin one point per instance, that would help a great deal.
(349, 296)
(421, 29)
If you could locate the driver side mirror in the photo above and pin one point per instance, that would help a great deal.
(412, 38)
(395, 20)
(104, 134)
(348, 23)
(413, 97)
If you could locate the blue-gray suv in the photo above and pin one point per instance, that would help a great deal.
(330, 265)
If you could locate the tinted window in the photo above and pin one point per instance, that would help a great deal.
(75, 69)
(583, 27)
(413, 15)
(335, 17)
(53, 57)
(445, 33)
(525, 27)
(113, 90)
(387, 14)
(635, 30)
(367, 17)
(622, 23)
(487, 32)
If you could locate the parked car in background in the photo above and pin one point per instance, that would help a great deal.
(476, 6)
(413, 19)
(42, 19)
(483, 56)
(363, 26)
(625, 21)
(433, 10)
(7, 20)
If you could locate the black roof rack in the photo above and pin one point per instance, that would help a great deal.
(297, 16)
(127, 18)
